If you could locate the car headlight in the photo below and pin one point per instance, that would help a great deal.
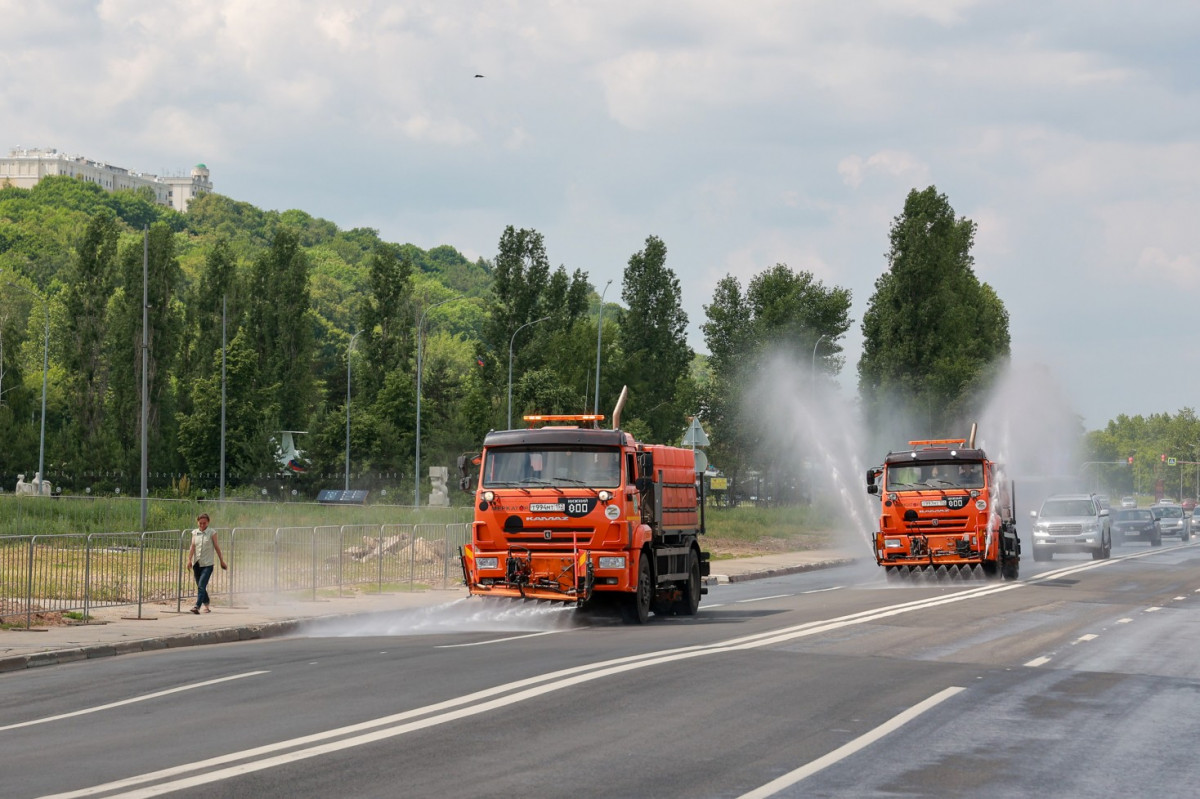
(1039, 530)
(1091, 527)
(487, 563)
(611, 562)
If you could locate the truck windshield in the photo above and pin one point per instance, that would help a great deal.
(955, 474)
(533, 467)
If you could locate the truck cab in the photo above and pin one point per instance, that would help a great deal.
(944, 504)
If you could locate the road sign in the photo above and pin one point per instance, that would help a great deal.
(1172, 461)
(701, 462)
(695, 435)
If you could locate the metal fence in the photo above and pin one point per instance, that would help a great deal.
(74, 574)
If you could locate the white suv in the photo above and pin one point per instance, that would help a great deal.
(1071, 523)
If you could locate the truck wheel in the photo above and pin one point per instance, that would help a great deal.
(636, 607)
(1010, 569)
(689, 603)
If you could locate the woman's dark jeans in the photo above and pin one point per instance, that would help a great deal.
(202, 575)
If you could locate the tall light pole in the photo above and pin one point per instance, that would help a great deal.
(820, 338)
(349, 349)
(510, 360)
(222, 478)
(420, 329)
(599, 333)
(145, 369)
(45, 368)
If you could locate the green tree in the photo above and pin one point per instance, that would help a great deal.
(93, 278)
(249, 412)
(164, 314)
(281, 328)
(934, 335)
(655, 355)
(523, 291)
(386, 319)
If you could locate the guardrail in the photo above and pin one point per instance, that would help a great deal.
(42, 574)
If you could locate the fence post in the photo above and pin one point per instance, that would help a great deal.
(29, 585)
(314, 563)
(141, 570)
(341, 555)
(232, 571)
(275, 567)
(87, 579)
(179, 574)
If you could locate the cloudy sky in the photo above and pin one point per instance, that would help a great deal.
(742, 134)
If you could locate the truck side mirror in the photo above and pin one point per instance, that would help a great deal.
(872, 488)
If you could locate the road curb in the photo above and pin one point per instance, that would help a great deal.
(224, 635)
(719, 579)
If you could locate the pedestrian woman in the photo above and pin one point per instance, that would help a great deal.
(200, 560)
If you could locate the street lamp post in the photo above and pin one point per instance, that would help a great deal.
(45, 370)
(599, 332)
(349, 349)
(510, 360)
(820, 338)
(420, 329)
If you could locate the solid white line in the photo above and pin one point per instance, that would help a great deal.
(497, 640)
(761, 599)
(1033, 664)
(130, 701)
(821, 590)
(844, 751)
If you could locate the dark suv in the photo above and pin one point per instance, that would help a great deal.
(1130, 523)
(1071, 523)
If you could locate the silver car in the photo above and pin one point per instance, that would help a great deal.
(1071, 523)
(1172, 520)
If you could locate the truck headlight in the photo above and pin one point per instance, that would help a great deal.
(893, 543)
(611, 562)
(605, 496)
(487, 563)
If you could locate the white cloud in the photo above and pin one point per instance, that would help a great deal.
(894, 163)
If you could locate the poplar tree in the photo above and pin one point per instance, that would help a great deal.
(655, 355)
(933, 334)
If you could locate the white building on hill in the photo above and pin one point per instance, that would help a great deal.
(23, 168)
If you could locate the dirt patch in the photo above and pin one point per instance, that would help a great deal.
(13, 615)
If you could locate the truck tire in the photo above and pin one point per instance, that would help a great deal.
(1009, 569)
(689, 602)
(636, 607)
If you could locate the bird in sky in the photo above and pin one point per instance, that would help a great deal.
(479, 76)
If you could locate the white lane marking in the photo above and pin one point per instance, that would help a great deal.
(1179, 598)
(1124, 621)
(604, 668)
(130, 701)
(1033, 664)
(761, 599)
(1152, 609)
(844, 751)
(497, 640)
(822, 590)
(1088, 637)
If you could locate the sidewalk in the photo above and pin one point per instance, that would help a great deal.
(119, 631)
